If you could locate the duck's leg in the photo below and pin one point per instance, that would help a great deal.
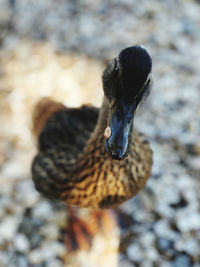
(81, 232)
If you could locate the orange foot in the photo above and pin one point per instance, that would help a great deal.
(81, 231)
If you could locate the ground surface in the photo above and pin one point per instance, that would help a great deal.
(74, 39)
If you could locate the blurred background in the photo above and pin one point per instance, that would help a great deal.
(58, 49)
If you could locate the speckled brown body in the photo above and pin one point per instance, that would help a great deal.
(79, 171)
(107, 183)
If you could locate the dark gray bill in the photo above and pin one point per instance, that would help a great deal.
(121, 125)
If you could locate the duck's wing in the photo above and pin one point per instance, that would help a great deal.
(62, 134)
(63, 128)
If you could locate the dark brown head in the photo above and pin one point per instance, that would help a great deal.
(126, 83)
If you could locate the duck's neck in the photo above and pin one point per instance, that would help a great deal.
(100, 182)
(102, 120)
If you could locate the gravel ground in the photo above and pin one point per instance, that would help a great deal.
(58, 48)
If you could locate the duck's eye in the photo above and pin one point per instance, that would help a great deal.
(116, 68)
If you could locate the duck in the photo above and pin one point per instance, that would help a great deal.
(94, 158)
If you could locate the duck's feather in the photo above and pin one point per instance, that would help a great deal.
(69, 129)
(75, 168)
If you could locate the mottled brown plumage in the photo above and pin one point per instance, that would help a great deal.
(42, 112)
(73, 164)
(89, 178)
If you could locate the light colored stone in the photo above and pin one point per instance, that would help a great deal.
(135, 252)
(21, 243)
(162, 229)
(50, 231)
(151, 254)
(188, 220)
(191, 246)
(43, 210)
(35, 256)
(8, 227)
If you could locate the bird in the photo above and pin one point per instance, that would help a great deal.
(94, 158)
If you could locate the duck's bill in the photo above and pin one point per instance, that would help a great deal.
(121, 127)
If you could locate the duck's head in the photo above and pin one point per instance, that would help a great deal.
(126, 83)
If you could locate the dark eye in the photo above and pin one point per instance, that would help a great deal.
(116, 68)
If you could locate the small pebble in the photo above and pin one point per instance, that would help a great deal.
(21, 243)
(190, 246)
(147, 239)
(164, 244)
(151, 254)
(50, 231)
(17, 259)
(35, 256)
(166, 247)
(162, 229)
(35, 239)
(188, 220)
(8, 227)
(135, 253)
(42, 210)
(182, 260)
